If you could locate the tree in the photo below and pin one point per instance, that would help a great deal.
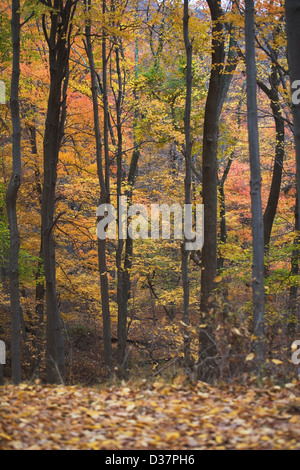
(255, 188)
(188, 177)
(209, 157)
(124, 249)
(219, 82)
(292, 11)
(58, 38)
(11, 199)
(104, 194)
(275, 80)
(268, 43)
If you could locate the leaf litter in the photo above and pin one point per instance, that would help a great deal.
(161, 416)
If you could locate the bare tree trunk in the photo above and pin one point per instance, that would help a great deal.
(103, 198)
(124, 283)
(124, 279)
(209, 159)
(293, 304)
(187, 182)
(292, 13)
(223, 228)
(207, 346)
(11, 200)
(105, 109)
(37, 326)
(58, 39)
(255, 190)
(271, 207)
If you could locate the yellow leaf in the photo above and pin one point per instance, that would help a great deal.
(218, 279)
(277, 361)
(130, 407)
(172, 436)
(250, 357)
(294, 419)
(94, 445)
(236, 331)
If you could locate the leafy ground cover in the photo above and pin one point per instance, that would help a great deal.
(159, 416)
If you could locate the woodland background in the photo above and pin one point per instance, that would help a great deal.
(124, 129)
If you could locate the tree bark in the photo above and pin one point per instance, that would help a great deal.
(223, 228)
(207, 346)
(123, 274)
(187, 182)
(103, 198)
(209, 158)
(11, 200)
(292, 13)
(271, 207)
(37, 324)
(255, 189)
(58, 39)
(124, 283)
(293, 305)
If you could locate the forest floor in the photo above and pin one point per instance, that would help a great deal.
(150, 416)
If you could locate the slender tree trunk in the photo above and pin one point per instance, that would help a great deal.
(293, 305)
(207, 346)
(106, 194)
(187, 181)
(11, 200)
(223, 229)
(122, 290)
(124, 280)
(124, 283)
(209, 158)
(292, 11)
(39, 276)
(271, 207)
(55, 364)
(255, 189)
(103, 198)
(105, 109)
(58, 39)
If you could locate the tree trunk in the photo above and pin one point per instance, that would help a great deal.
(105, 109)
(223, 228)
(124, 251)
(255, 189)
(103, 198)
(187, 182)
(293, 304)
(271, 207)
(58, 39)
(11, 200)
(122, 290)
(209, 158)
(292, 13)
(207, 346)
(37, 324)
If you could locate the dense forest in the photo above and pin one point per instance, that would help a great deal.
(133, 105)
(149, 226)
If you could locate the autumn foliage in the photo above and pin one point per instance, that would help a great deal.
(133, 120)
